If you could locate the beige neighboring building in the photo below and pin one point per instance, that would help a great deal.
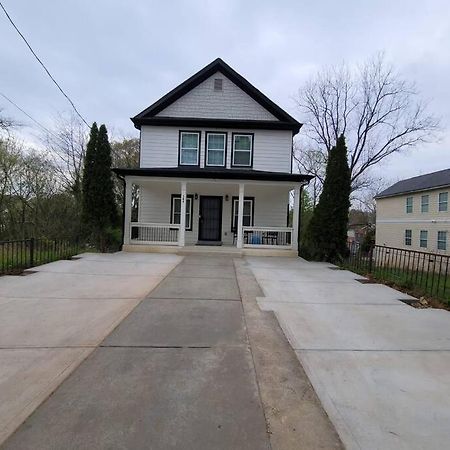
(414, 214)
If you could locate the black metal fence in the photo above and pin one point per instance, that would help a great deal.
(16, 256)
(424, 273)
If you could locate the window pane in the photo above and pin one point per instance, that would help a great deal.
(176, 205)
(409, 204)
(216, 141)
(423, 238)
(442, 240)
(189, 140)
(425, 201)
(443, 201)
(188, 156)
(247, 207)
(215, 157)
(242, 142)
(176, 218)
(241, 158)
(246, 221)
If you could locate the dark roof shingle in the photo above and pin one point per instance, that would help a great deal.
(420, 183)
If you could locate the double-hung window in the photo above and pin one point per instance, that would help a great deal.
(409, 205)
(443, 201)
(247, 218)
(216, 144)
(189, 148)
(408, 237)
(442, 240)
(242, 150)
(424, 204)
(175, 216)
(423, 238)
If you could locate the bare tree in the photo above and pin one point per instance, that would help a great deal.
(378, 111)
(67, 143)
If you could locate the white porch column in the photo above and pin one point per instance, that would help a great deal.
(182, 233)
(240, 215)
(295, 217)
(127, 212)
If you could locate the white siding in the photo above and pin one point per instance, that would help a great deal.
(271, 148)
(270, 207)
(230, 103)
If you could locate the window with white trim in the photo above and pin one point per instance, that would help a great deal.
(408, 237)
(215, 149)
(247, 218)
(242, 150)
(409, 205)
(175, 216)
(423, 238)
(443, 201)
(442, 240)
(424, 203)
(189, 148)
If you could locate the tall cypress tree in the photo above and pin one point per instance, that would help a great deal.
(88, 168)
(326, 235)
(99, 205)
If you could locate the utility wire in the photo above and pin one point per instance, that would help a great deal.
(43, 65)
(51, 133)
(28, 115)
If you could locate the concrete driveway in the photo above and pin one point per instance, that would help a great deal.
(51, 320)
(381, 368)
(194, 365)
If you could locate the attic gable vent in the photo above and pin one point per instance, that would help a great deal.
(218, 84)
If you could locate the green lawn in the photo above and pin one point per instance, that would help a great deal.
(418, 283)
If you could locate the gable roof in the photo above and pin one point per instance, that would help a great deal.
(147, 116)
(432, 180)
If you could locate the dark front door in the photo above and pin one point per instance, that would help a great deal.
(210, 220)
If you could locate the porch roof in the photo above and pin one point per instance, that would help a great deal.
(223, 174)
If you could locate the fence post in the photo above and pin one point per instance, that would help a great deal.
(31, 252)
(370, 258)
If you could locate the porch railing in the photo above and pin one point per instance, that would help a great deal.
(154, 233)
(267, 237)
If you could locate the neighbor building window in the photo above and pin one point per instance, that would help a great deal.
(175, 215)
(242, 150)
(442, 240)
(215, 149)
(423, 238)
(425, 200)
(189, 148)
(443, 201)
(408, 237)
(247, 218)
(409, 205)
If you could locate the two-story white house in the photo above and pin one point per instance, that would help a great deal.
(215, 168)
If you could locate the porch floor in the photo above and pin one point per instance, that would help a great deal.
(205, 249)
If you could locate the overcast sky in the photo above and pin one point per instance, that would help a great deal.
(115, 58)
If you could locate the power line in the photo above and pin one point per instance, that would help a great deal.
(28, 115)
(43, 65)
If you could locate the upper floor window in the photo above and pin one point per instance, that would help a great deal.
(408, 237)
(242, 150)
(442, 240)
(189, 148)
(409, 205)
(423, 238)
(425, 201)
(216, 144)
(443, 201)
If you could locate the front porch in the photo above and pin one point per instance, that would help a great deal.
(242, 217)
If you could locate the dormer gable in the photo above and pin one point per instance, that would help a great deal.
(219, 95)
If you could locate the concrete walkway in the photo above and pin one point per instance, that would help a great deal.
(381, 368)
(50, 321)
